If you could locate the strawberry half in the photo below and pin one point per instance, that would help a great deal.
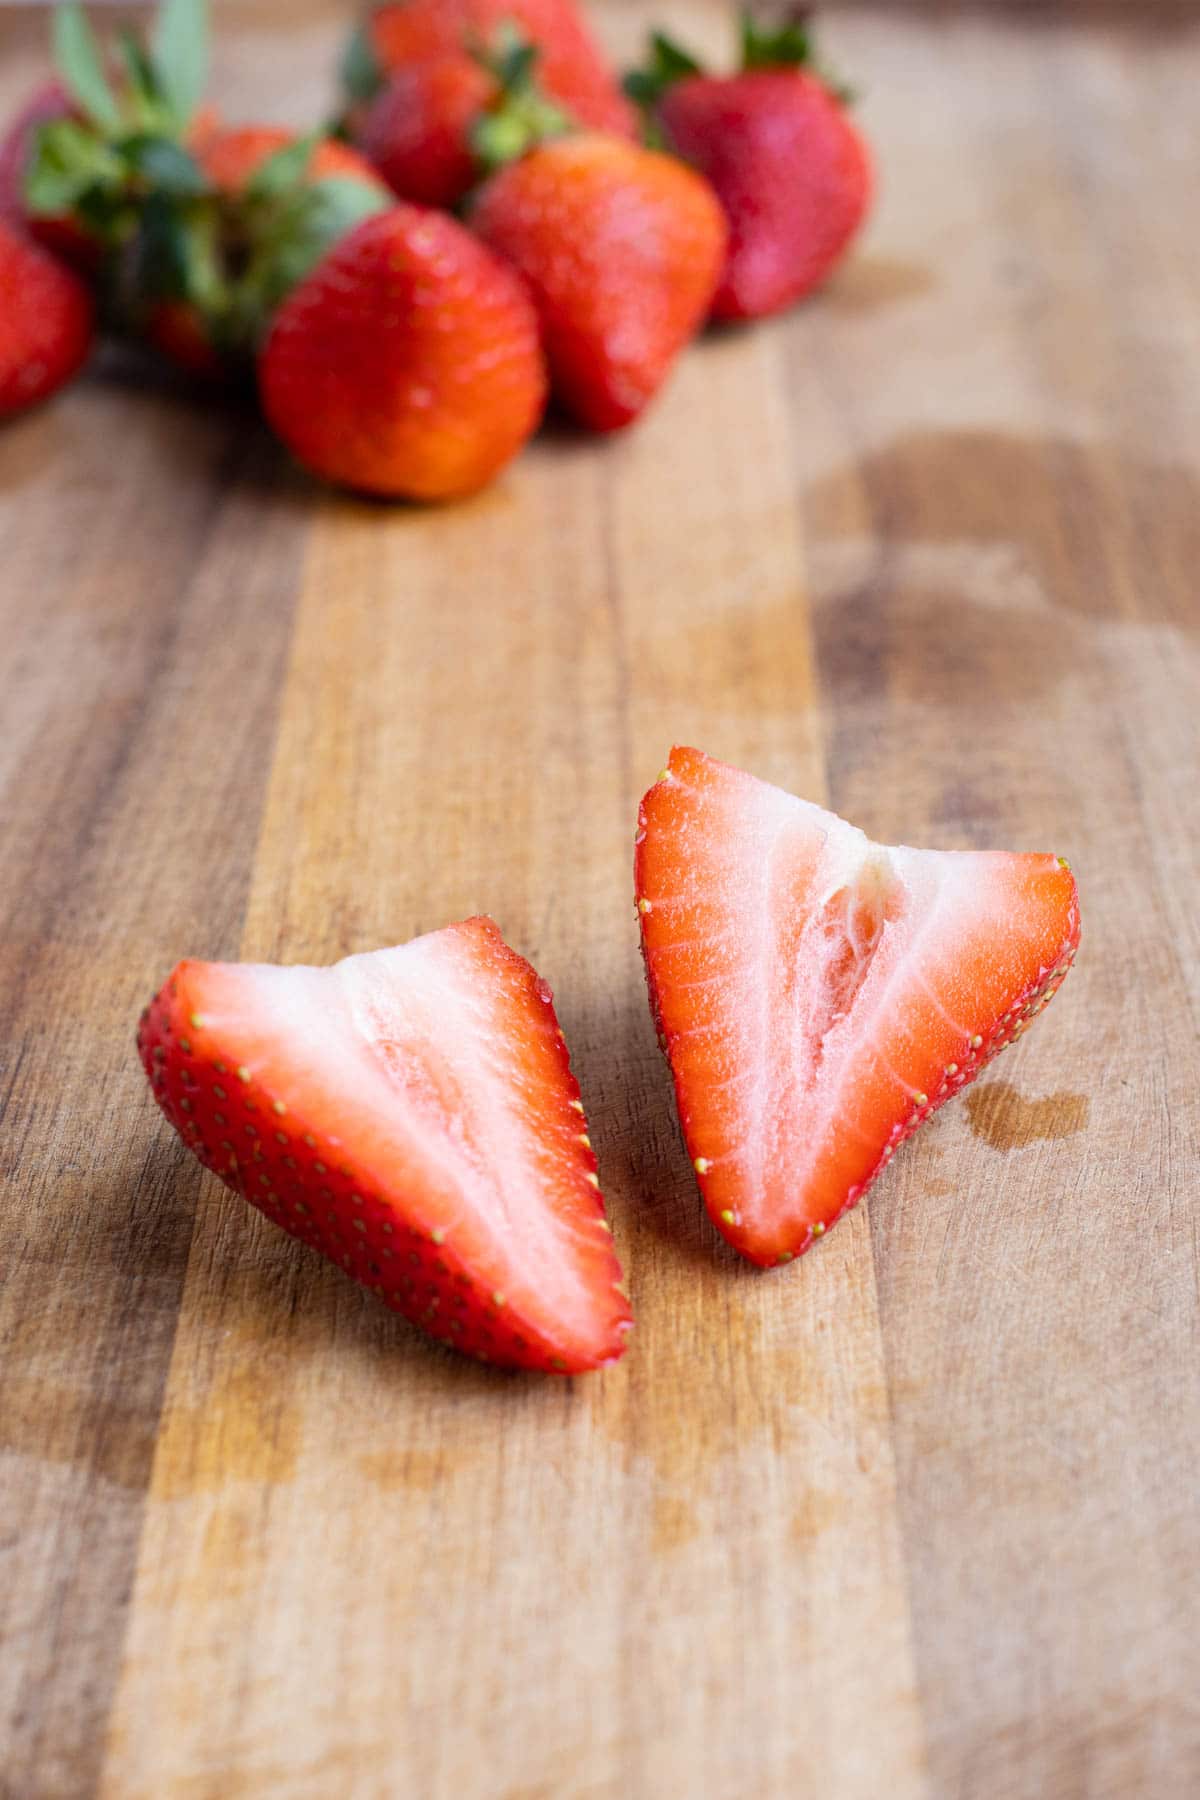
(818, 995)
(412, 1115)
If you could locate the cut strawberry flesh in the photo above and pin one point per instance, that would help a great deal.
(411, 1114)
(819, 995)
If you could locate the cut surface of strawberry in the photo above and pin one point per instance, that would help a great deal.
(411, 1114)
(819, 995)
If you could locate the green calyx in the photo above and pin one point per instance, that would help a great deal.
(361, 75)
(163, 231)
(288, 231)
(775, 37)
(233, 257)
(666, 63)
(162, 82)
(128, 138)
(783, 44)
(521, 116)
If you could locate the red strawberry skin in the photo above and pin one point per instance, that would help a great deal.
(176, 330)
(412, 1115)
(792, 171)
(46, 322)
(819, 996)
(571, 67)
(621, 248)
(408, 364)
(416, 132)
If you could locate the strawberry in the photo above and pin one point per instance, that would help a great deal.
(787, 162)
(178, 331)
(276, 202)
(408, 362)
(439, 125)
(66, 235)
(231, 158)
(412, 1115)
(63, 235)
(194, 233)
(417, 132)
(622, 248)
(573, 69)
(818, 995)
(78, 160)
(45, 322)
(198, 337)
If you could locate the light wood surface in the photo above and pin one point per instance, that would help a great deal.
(915, 1518)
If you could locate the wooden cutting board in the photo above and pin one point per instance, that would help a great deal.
(916, 1517)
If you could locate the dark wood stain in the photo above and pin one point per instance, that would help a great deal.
(1008, 1120)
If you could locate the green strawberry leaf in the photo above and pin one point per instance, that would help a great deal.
(144, 91)
(785, 45)
(66, 161)
(666, 63)
(165, 164)
(514, 128)
(672, 59)
(176, 256)
(79, 62)
(180, 55)
(162, 251)
(512, 58)
(361, 74)
(521, 115)
(789, 45)
(283, 169)
(104, 213)
(309, 225)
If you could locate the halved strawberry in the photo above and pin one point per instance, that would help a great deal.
(818, 995)
(411, 1114)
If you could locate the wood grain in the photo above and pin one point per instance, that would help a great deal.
(916, 1516)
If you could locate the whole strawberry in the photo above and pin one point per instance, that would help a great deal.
(193, 234)
(439, 125)
(408, 363)
(621, 248)
(573, 69)
(45, 322)
(417, 131)
(271, 203)
(778, 145)
(69, 234)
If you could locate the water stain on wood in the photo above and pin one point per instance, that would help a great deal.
(417, 1471)
(240, 1431)
(1028, 492)
(815, 1513)
(869, 283)
(674, 1523)
(1007, 1120)
(228, 1548)
(53, 1424)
